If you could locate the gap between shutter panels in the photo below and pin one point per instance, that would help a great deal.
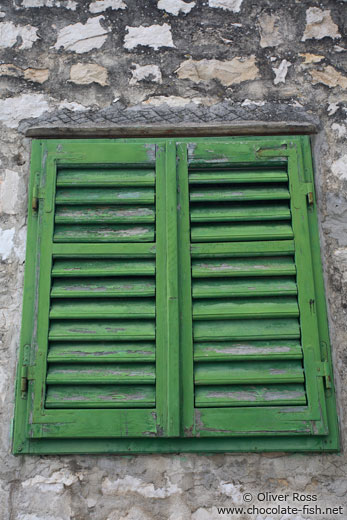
(102, 315)
(246, 331)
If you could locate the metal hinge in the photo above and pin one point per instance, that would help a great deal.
(38, 193)
(26, 372)
(323, 370)
(309, 193)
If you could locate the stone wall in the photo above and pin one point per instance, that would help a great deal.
(100, 62)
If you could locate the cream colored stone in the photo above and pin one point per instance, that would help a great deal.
(9, 34)
(86, 73)
(80, 37)
(71, 105)
(130, 484)
(55, 482)
(6, 242)
(177, 101)
(339, 167)
(269, 31)
(228, 5)
(175, 7)
(9, 193)
(148, 72)
(228, 73)
(281, 72)
(319, 24)
(329, 77)
(36, 75)
(154, 36)
(311, 58)
(341, 130)
(15, 109)
(101, 5)
(67, 4)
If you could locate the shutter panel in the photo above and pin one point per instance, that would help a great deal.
(173, 294)
(100, 361)
(254, 333)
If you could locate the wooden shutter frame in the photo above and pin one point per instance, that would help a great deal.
(24, 443)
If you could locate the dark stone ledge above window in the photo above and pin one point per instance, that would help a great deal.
(225, 118)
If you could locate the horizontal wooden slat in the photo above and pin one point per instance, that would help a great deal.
(104, 396)
(243, 287)
(242, 372)
(100, 214)
(239, 193)
(101, 267)
(100, 287)
(101, 352)
(105, 196)
(266, 266)
(100, 250)
(220, 309)
(233, 212)
(215, 176)
(258, 395)
(105, 177)
(70, 330)
(244, 249)
(229, 351)
(104, 233)
(238, 232)
(104, 308)
(246, 329)
(139, 373)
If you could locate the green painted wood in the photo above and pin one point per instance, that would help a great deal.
(244, 249)
(104, 233)
(102, 373)
(75, 330)
(104, 214)
(257, 395)
(101, 287)
(221, 232)
(228, 330)
(103, 309)
(239, 372)
(262, 350)
(96, 352)
(167, 345)
(235, 267)
(100, 267)
(97, 177)
(185, 291)
(310, 427)
(215, 176)
(235, 212)
(100, 250)
(221, 309)
(85, 196)
(243, 287)
(102, 396)
(210, 193)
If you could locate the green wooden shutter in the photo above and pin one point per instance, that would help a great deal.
(255, 364)
(173, 294)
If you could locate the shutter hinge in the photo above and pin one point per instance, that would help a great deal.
(309, 192)
(38, 193)
(26, 372)
(323, 370)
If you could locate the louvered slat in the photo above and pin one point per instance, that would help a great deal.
(235, 212)
(244, 267)
(71, 330)
(104, 214)
(87, 309)
(104, 396)
(262, 350)
(237, 232)
(101, 373)
(236, 176)
(101, 287)
(101, 267)
(85, 352)
(239, 193)
(99, 196)
(257, 395)
(243, 287)
(224, 330)
(105, 177)
(104, 233)
(221, 309)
